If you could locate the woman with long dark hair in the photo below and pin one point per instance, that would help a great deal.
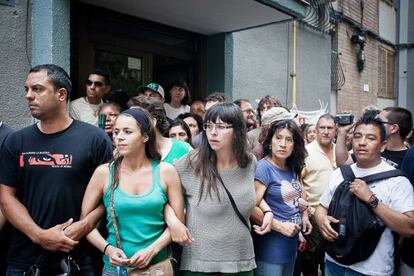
(221, 239)
(179, 130)
(277, 182)
(134, 188)
(177, 99)
(194, 122)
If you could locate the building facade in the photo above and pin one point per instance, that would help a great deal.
(244, 48)
(372, 43)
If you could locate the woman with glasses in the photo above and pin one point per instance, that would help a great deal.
(221, 241)
(277, 182)
(134, 189)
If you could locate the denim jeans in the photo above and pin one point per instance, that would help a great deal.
(269, 269)
(332, 269)
(121, 271)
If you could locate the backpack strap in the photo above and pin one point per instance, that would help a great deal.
(383, 175)
(347, 173)
(346, 199)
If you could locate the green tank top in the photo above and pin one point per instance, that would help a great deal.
(178, 150)
(140, 218)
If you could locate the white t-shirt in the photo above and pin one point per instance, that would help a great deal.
(173, 112)
(397, 194)
(83, 111)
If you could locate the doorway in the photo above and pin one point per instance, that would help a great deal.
(134, 51)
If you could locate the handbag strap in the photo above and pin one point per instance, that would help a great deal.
(112, 209)
(233, 204)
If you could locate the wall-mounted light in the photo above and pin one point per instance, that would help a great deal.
(360, 40)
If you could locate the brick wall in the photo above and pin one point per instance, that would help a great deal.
(352, 97)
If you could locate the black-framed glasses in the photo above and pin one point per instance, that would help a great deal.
(218, 127)
(384, 122)
(97, 83)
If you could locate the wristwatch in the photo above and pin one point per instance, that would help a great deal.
(373, 201)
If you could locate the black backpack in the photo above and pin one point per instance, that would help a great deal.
(359, 229)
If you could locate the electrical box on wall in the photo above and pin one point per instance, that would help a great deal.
(8, 2)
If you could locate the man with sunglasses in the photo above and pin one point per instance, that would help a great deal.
(85, 108)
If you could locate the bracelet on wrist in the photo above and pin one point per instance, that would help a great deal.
(106, 247)
(267, 211)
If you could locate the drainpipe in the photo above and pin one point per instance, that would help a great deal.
(293, 72)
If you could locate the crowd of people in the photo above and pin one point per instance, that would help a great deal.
(178, 187)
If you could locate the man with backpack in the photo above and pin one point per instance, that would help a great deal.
(391, 199)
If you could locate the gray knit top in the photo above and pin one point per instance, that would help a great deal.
(222, 243)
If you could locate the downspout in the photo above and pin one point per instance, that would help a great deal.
(293, 73)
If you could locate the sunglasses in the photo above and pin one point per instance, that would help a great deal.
(97, 83)
(384, 122)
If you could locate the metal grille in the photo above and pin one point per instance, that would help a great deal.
(337, 74)
(318, 15)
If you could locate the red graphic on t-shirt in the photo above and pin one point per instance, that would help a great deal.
(46, 159)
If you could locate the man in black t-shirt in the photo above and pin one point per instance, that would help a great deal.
(45, 169)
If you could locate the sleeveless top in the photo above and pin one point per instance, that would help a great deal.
(140, 217)
(178, 150)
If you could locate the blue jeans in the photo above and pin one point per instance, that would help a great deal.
(119, 272)
(332, 269)
(269, 269)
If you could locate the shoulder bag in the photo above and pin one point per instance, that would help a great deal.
(233, 204)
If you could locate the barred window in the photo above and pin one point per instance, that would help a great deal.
(386, 72)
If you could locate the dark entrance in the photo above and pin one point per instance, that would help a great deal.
(134, 51)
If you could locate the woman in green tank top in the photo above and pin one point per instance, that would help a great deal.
(141, 186)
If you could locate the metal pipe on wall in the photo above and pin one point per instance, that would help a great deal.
(293, 72)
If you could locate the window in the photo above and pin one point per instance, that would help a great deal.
(386, 72)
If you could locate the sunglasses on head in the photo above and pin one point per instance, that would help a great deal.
(97, 83)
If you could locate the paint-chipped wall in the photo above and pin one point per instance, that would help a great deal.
(31, 33)
(15, 55)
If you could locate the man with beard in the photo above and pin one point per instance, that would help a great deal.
(248, 113)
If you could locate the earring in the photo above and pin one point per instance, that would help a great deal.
(270, 147)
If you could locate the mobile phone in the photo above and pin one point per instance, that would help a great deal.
(101, 121)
